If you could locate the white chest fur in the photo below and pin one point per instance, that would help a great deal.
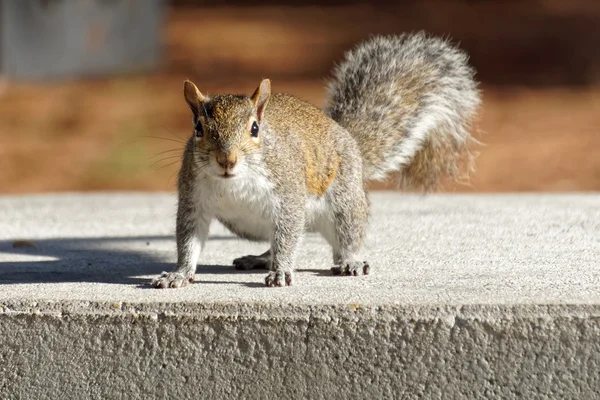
(245, 204)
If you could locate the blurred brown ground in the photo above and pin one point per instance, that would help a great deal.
(538, 62)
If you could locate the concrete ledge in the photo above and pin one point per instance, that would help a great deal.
(470, 297)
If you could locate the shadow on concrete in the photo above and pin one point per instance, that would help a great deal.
(119, 260)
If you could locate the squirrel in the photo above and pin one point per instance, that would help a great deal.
(271, 166)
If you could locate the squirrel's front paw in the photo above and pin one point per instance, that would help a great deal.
(351, 268)
(171, 280)
(279, 278)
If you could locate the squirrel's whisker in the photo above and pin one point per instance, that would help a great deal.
(163, 159)
(168, 139)
(163, 152)
(174, 135)
(171, 177)
(168, 165)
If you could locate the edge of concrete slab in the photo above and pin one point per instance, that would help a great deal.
(128, 351)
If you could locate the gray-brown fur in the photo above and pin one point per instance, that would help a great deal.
(270, 167)
(408, 101)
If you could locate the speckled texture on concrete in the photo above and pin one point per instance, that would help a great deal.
(471, 296)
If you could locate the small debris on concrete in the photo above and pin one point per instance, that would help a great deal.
(23, 243)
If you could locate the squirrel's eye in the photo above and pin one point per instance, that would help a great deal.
(254, 129)
(198, 129)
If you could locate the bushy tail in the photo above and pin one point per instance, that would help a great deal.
(408, 101)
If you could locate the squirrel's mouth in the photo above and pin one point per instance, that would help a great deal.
(227, 175)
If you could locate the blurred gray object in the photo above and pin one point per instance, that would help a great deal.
(67, 38)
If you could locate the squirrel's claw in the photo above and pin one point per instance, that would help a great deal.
(173, 280)
(279, 278)
(351, 268)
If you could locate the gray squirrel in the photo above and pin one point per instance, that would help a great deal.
(270, 166)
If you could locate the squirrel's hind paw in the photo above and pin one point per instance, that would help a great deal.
(351, 268)
(251, 262)
(171, 280)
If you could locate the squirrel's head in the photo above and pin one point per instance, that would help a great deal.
(227, 129)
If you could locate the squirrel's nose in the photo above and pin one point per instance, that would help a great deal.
(227, 160)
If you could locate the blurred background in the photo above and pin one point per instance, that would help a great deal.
(91, 90)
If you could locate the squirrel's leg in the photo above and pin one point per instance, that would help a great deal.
(191, 232)
(349, 235)
(253, 262)
(346, 233)
(288, 229)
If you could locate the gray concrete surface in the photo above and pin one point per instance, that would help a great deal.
(470, 296)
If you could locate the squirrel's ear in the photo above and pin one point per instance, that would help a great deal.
(193, 97)
(261, 97)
